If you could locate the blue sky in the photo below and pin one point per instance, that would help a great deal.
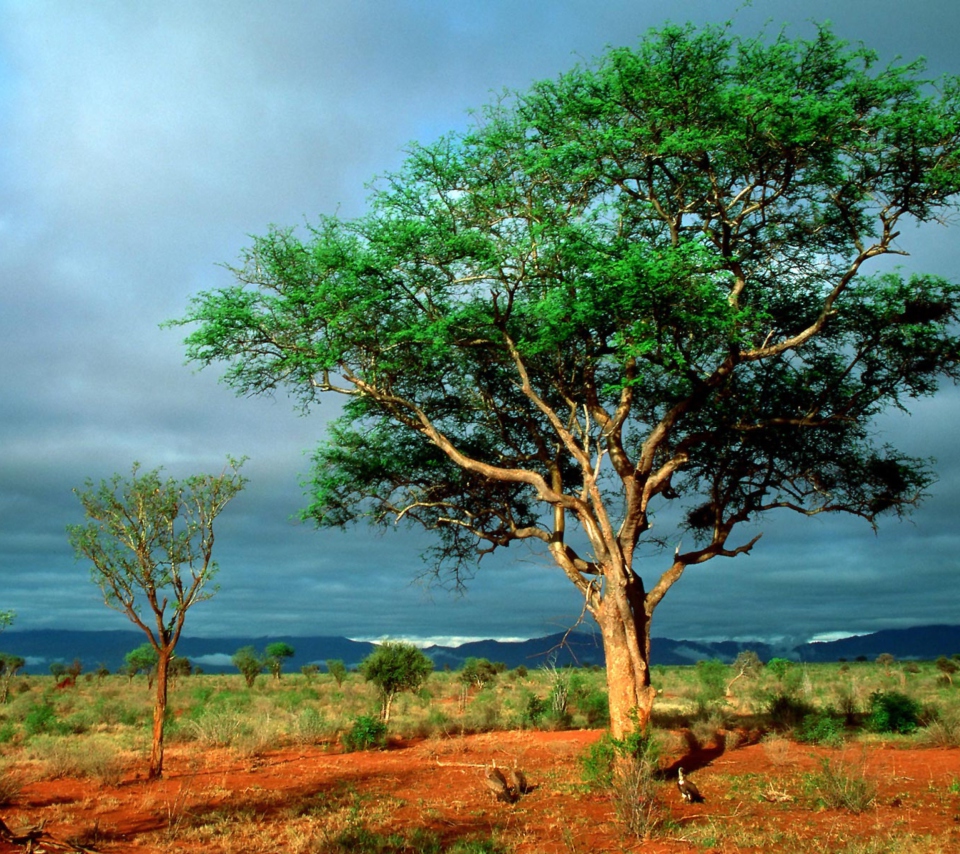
(142, 143)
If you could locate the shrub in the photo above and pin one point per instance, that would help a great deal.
(366, 733)
(825, 727)
(891, 711)
(249, 663)
(712, 676)
(311, 726)
(10, 785)
(534, 709)
(42, 718)
(596, 763)
(596, 708)
(787, 711)
(836, 788)
(629, 769)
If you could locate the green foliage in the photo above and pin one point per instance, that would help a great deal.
(274, 656)
(825, 727)
(534, 709)
(143, 659)
(150, 542)
(365, 733)
(787, 711)
(779, 667)
(712, 676)
(892, 711)
(478, 671)
(9, 667)
(249, 662)
(42, 718)
(659, 260)
(337, 669)
(395, 667)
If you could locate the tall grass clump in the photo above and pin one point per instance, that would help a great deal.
(835, 787)
(10, 784)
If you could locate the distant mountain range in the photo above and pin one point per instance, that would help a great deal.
(40, 648)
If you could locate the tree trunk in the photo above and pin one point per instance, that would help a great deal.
(626, 647)
(159, 715)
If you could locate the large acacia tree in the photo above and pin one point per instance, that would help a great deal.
(150, 541)
(650, 282)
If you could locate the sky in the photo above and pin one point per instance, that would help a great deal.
(142, 144)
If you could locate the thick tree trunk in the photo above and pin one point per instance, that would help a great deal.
(159, 715)
(626, 647)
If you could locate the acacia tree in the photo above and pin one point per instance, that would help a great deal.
(645, 284)
(249, 662)
(395, 667)
(151, 545)
(142, 659)
(274, 655)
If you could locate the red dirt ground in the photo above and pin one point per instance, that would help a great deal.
(436, 785)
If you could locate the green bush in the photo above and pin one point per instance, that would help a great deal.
(712, 676)
(534, 709)
(596, 708)
(42, 718)
(891, 711)
(365, 733)
(787, 712)
(825, 727)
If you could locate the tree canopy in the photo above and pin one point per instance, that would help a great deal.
(651, 282)
(395, 667)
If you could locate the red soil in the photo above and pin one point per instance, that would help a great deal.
(436, 785)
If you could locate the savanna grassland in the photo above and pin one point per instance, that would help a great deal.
(858, 758)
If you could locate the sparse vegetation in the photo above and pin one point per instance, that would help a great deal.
(98, 733)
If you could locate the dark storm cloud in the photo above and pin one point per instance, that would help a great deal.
(140, 145)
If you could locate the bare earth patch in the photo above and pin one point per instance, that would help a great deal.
(758, 796)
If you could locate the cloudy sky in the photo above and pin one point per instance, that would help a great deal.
(142, 143)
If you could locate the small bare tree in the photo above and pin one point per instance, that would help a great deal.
(151, 543)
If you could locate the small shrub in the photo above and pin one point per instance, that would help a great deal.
(824, 727)
(596, 708)
(534, 709)
(891, 711)
(712, 676)
(787, 711)
(365, 733)
(628, 769)
(835, 787)
(218, 727)
(596, 763)
(484, 713)
(68, 757)
(10, 785)
(42, 718)
(311, 726)
(941, 729)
